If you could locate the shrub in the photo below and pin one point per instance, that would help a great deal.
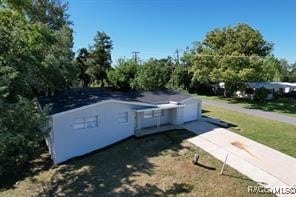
(20, 135)
(261, 94)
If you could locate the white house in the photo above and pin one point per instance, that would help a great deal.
(82, 121)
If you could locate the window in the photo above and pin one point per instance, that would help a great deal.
(147, 114)
(123, 117)
(158, 113)
(86, 123)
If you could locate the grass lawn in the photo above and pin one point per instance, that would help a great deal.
(154, 165)
(283, 105)
(277, 135)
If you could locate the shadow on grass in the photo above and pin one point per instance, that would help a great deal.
(206, 167)
(242, 178)
(284, 105)
(37, 165)
(112, 172)
(238, 177)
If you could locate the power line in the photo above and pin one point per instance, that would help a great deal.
(135, 55)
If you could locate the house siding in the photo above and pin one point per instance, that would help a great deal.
(69, 143)
(65, 142)
(193, 101)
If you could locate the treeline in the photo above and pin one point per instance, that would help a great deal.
(234, 55)
(36, 58)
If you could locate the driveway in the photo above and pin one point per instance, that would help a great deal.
(264, 165)
(253, 112)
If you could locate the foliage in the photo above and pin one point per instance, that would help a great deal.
(153, 75)
(231, 54)
(123, 75)
(288, 71)
(100, 57)
(83, 62)
(35, 57)
(261, 94)
(20, 135)
(293, 73)
(181, 78)
(40, 57)
(271, 69)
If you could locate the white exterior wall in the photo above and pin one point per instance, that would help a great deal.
(68, 143)
(180, 116)
(65, 142)
(194, 101)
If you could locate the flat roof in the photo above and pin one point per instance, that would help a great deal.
(160, 107)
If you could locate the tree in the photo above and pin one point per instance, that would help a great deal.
(271, 69)
(83, 62)
(35, 56)
(181, 78)
(232, 55)
(123, 75)
(40, 50)
(152, 75)
(285, 69)
(51, 13)
(100, 54)
(293, 73)
(20, 135)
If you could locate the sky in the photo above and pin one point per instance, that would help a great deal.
(156, 28)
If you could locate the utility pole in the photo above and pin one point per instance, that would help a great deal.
(177, 57)
(135, 56)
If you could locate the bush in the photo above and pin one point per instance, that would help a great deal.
(20, 135)
(261, 94)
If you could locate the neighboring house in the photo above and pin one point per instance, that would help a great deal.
(85, 120)
(280, 88)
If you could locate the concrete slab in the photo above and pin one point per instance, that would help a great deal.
(268, 167)
(199, 127)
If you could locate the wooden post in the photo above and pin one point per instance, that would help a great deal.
(221, 172)
(195, 159)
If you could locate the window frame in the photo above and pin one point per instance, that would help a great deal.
(87, 122)
(149, 116)
(123, 116)
(160, 112)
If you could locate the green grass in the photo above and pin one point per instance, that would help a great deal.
(158, 165)
(282, 105)
(277, 135)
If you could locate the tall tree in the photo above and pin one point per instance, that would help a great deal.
(83, 62)
(100, 54)
(35, 55)
(232, 55)
(46, 34)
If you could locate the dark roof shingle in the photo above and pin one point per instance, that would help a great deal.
(76, 98)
